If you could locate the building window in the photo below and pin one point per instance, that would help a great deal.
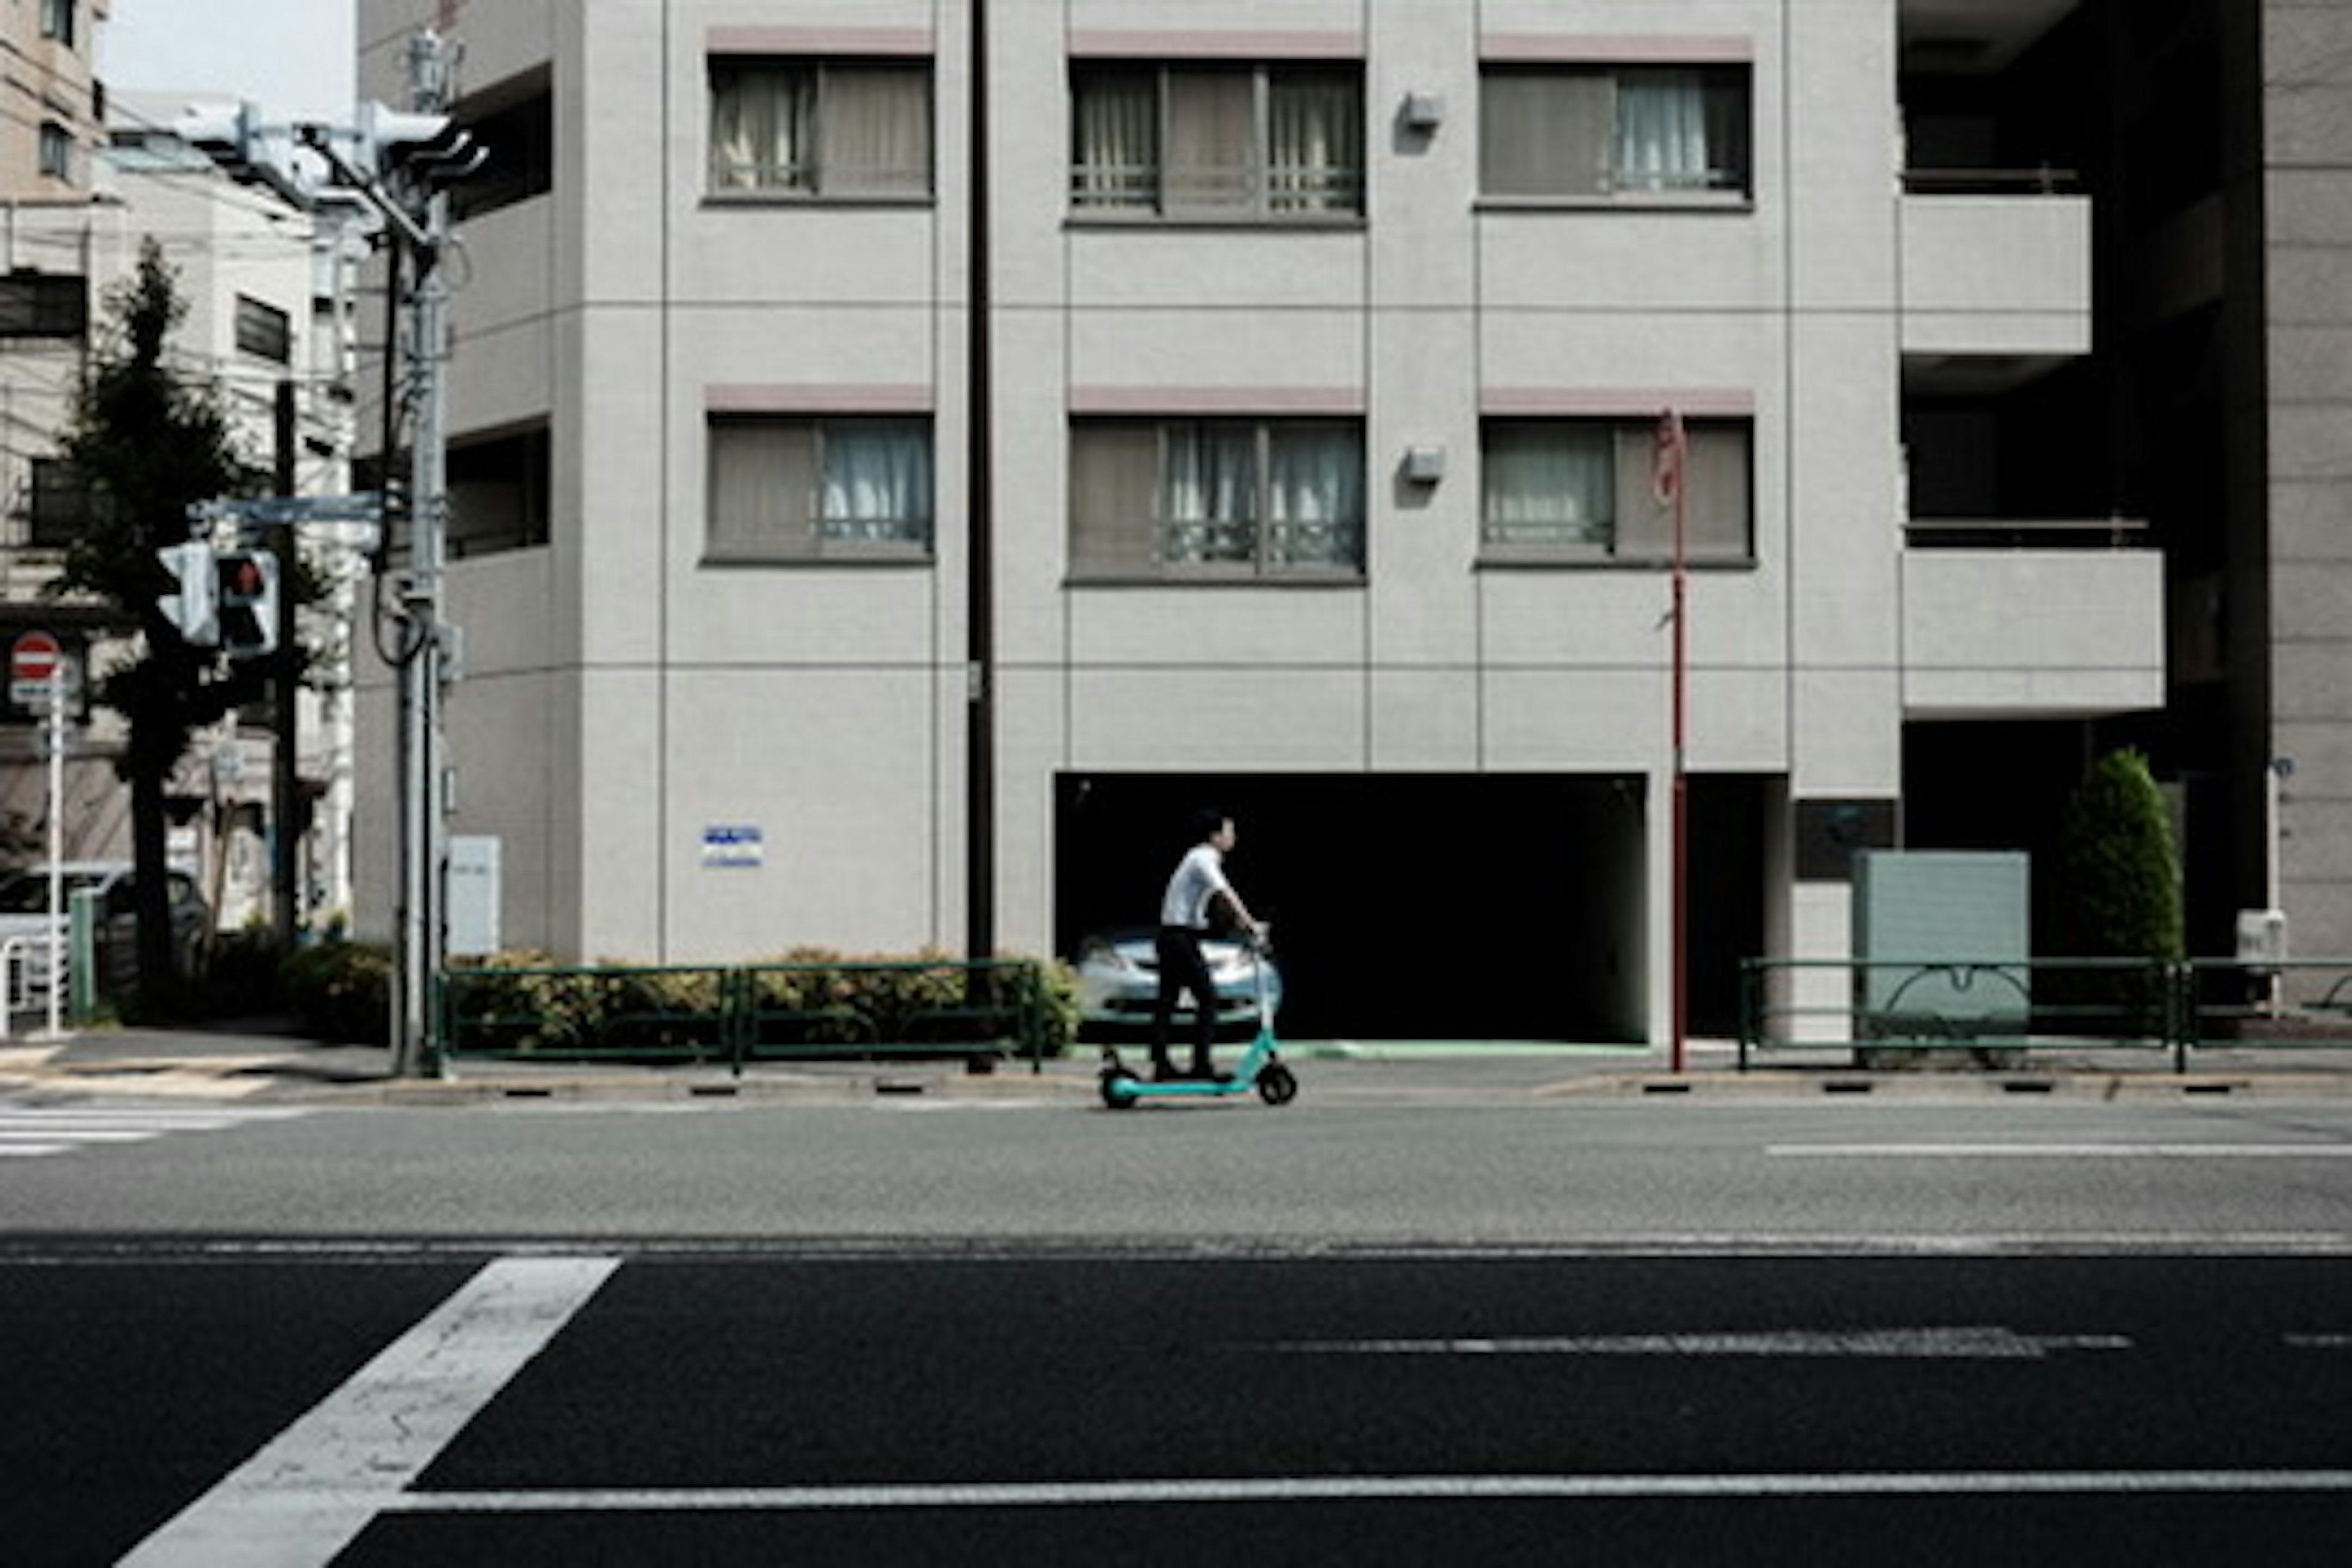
(58, 20)
(57, 151)
(44, 305)
(1583, 489)
(1622, 131)
(264, 330)
(833, 128)
(796, 488)
(499, 492)
(1249, 142)
(514, 125)
(1220, 500)
(62, 506)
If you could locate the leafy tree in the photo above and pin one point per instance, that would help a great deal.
(148, 443)
(2119, 883)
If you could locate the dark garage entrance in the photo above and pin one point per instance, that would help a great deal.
(1406, 907)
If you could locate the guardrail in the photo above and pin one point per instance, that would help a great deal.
(740, 1014)
(1997, 1010)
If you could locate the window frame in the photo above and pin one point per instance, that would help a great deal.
(264, 330)
(1262, 203)
(55, 152)
(58, 19)
(1092, 561)
(822, 70)
(1716, 449)
(726, 545)
(54, 305)
(1613, 187)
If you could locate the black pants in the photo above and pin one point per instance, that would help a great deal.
(1181, 968)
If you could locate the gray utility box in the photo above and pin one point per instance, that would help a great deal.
(1942, 940)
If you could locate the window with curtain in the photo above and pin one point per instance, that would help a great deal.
(793, 488)
(1614, 131)
(1220, 500)
(1581, 490)
(825, 129)
(1210, 142)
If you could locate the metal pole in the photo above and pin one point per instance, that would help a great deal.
(422, 765)
(285, 875)
(1682, 759)
(55, 729)
(980, 609)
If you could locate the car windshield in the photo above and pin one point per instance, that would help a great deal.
(27, 892)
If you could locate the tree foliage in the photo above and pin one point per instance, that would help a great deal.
(148, 443)
(2120, 871)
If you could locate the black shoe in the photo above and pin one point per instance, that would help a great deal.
(1166, 1072)
(1204, 1072)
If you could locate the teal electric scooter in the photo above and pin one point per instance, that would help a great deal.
(1260, 1070)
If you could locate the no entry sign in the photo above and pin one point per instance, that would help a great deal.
(34, 656)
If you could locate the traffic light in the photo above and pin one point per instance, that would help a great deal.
(194, 609)
(248, 580)
(428, 149)
(249, 151)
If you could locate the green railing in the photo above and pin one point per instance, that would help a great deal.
(741, 1013)
(1995, 1010)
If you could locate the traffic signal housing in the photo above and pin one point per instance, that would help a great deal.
(247, 602)
(193, 607)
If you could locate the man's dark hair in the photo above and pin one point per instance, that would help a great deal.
(1205, 822)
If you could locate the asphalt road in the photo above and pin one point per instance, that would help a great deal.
(766, 1406)
(1656, 1329)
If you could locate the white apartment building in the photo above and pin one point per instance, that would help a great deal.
(84, 186)
(1326, 342)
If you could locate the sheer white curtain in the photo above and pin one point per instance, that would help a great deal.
(1315, 155)
(1315, 496)
(877, 131)
(877, 483)
(762, 128)
(1208, 498)
(1665, 139)
(1115, 128)
(1548, 484)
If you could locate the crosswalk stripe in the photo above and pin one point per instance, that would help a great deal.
(33, 1132)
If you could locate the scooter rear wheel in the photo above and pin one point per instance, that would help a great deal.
(1117, 1089)
(1277, 1085)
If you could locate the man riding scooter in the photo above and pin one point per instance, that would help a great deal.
(1199, 880)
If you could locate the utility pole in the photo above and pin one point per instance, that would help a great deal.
(400, 164)
(285, 782)
(424, 644)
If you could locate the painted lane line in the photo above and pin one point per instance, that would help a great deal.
(1871, 1344)
(2060, 1151)
(1377, 1488)
(313, 1488)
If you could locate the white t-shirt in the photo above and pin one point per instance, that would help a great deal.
(1200, 876)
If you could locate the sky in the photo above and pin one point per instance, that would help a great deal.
(293, 58)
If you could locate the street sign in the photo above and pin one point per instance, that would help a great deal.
(34, 656)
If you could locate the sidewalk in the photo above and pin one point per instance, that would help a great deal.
(257, 1063)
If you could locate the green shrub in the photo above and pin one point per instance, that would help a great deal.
(340, 991)
(2117, 894)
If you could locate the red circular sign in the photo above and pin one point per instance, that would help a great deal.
(34, 657)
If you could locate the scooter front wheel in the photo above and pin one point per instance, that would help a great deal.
(1277, 1085)
(1117, 1089)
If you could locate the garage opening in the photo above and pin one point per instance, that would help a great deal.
(1405, 907)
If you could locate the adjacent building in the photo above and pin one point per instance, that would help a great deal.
(881, 484)
(85, 183)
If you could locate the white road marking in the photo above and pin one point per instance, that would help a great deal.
(2060, 1151)
(30, 1131)
(311, 1489)
(1377, 1488)
(1872, 1344)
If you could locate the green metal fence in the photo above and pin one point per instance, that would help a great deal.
(1883, 1010)
(741, 1013)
